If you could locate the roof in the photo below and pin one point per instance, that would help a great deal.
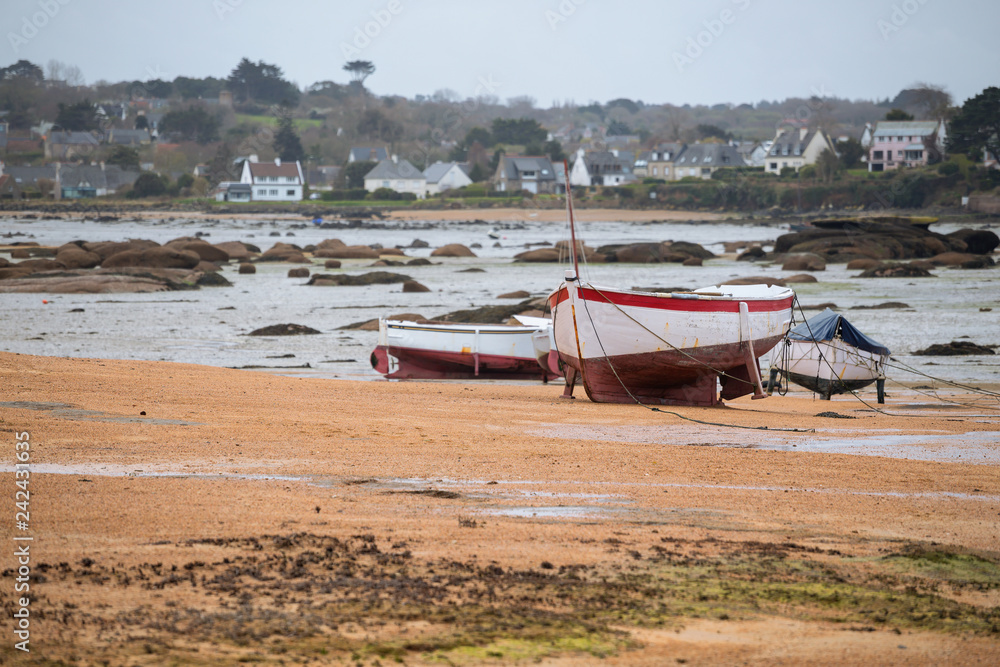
(7, 181)
(515, 165)
(266, 169)
(368, 153)
(905, 128)
(128, 136)
(436, 171)
(710, 155)
(789, 143)
(387, 169)
(76, 138)
(606, 161)
(232, 186)
(657, 154)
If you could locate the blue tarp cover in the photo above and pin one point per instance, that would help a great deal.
(825, 326)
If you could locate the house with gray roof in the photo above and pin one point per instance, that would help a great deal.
(520, 172)
(442, 176)
(128, 137)
(796, 147)
(660, 161)
(67, 145)
(907, 143)
(703, 160)
(397, 175)
(602, 168)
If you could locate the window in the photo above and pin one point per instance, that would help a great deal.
(274, 192)
(774, 165)
(290, 193)
(877, 155)
(261, 192)
(654, 171)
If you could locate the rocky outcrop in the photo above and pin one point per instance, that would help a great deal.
(910, 270)
(104, 281)
(977, 241)
(963, 260)
(846, 240)
(298, 272)
(370, 278)
(247, 269)
(284, 252)
(235, 250)
(804, 262)
(204, 250)
(452, 250)
(414, 286)
(159, 257)
(954, 348)
(75, 257)
(331, 264)
(751, 254)
(520, 294)
(539, 255)
(284, 330)
(108, 248)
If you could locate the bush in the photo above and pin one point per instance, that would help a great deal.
(388, 194)
(808, 171)
(948, 168)
(656, 181)
(353, 194)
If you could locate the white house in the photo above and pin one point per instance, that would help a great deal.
(601, 168)
(443, 176)
(273, 181)
(398, 175)
(796, 147)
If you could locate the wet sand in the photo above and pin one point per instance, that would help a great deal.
(210, 516)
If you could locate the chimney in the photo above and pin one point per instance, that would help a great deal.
(395, 159)
(277, 162)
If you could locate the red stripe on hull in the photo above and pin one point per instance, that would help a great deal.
(417, 364)
(730, 305)
(669, 377)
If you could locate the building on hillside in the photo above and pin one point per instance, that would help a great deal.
(273, 181)
(907, 143)
(9, 189)
(74, 181)
(397, 175)
(233, 191)
(754, 153)
(602, 168)
(443, 176)
(367, 154)
(703, 160)
(796, 147)
(523, 172)
(69, 145)
(322, 177)
(660, 163)
(128, 137)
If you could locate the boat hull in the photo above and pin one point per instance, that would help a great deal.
(413, 351)
(664, 349)
(829, 367)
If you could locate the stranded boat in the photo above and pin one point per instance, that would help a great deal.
(828, 355)
(437, 351)
(666, 349)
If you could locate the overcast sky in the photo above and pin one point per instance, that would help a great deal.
(552, 50)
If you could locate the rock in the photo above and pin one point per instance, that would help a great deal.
(489, 314)
(235, 250)
(417, 243)
(977, 241)
(640, 253)
(800, 278)
(284, 330)
(690, 249)
(284, 252)
(539, 255)
(330, 244)
(13, 272)
(108, 248)
(160, 257)
(348, 252)
(4, 262)
(207, 267)
(75, 257)
(370, 278)
(392, 252)
(247, 268)
(452, 250)
(752, 254)
(756, 280)
(821, 306)
(520, 294)
(40, 264)
(954, 348)
(862, 264)
(203, 249)
(692, 261)
(804, 262)
(414, 286)
(211, 279)
(20, 253)
(896, 271)
(419, 261)
(300, 272)
(860, 238)
(883, 306)
(978, 262)
(331, 264)
(104, 281)
(372, 325)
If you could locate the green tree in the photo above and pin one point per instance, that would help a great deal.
(376, 125)
(23, 69)
(287, 143)
(480, 134)
(148, 185)
(618, 128)
(141, 123)
(519, 131)
(191, 124)
(79, 117)
(976, 126)
(354, 173)
(898, 114)
(261, 82)
(125, 157)
(189, 88)
(478, 173)
(360, 70)
(712, 131)
(555, 151)
(851, 152)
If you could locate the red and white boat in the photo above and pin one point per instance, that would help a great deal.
(631, 346)
(445, 351)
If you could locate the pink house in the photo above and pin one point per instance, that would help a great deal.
(907, 143)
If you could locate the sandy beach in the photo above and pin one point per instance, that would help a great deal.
(184, 514)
